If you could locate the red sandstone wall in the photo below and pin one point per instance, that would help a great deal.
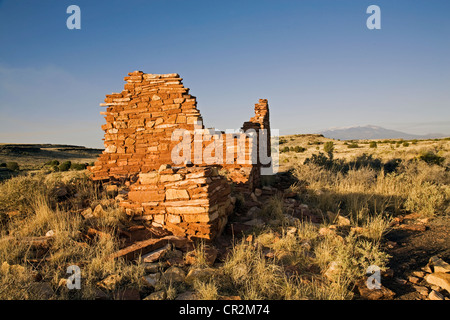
(193, 202)
(139, 124)
(141, 119)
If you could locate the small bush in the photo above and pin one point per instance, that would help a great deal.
(299, 149)
(65, 166)
(391, 165)
(373, 144)
(78, 166)
(426, 198)
(320, 160)
(431, 158)
(14, 166)
(328, 147)
(352, 145)
(52, 163)
(406, 144)
(366, 161)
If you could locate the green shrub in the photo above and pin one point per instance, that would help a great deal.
(352, 145)
(391, 165)
(299, 149)
(431, 158)
(373, 144)
(426, 198)
(14, 166)
(52, 163)
(328, 147)
(320, 160)
(285, 149)
(365, 161)
(65, 166)
(78, 166)
(406, 144)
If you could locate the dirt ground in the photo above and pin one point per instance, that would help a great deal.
(412, 252)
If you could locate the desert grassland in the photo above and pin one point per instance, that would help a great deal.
(37, 211)
(283, 259)
(385, 149)
(405, 175)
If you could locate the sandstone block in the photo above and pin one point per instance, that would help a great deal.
(148, 178)
(187, 210)
(174, 194)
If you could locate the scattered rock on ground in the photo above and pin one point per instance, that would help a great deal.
(188, 295)
(158, 295)
(199, 274)
(253, 212)
(87, 214)
(413, 279)
(422, 290)
(343, 221)
(439, 265)
(110, 282)
(157, 254)
(98, 211)
(418, 274)
(50, 233)
(127, 294)
(434, 295)
(439, 279)
(154, 267)
(374, 294)
(174, 275)
(152, 280)
(41, 290)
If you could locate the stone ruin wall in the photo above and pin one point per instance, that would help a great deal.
(192, 199)
(188, 201)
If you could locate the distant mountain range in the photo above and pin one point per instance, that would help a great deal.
(373, 132)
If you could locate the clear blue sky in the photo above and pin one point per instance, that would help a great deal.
(314, 60)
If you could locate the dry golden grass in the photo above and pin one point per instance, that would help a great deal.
(39, 214)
